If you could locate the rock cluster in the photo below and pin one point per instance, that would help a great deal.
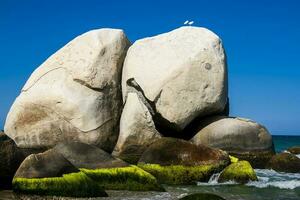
(161, 103)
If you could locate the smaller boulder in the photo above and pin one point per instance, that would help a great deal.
(240, 172)
(50, 174)
(294, 150)
(242, 138)
(202, 196)
(47, 164)
(172, 151)
(285, 162)
(175, 161)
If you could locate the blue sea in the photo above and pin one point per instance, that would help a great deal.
(270, 186)
(283, 142)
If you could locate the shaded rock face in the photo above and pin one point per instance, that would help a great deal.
(10, 159)
(240, 172)
(75, 95)
(285, 162)
(171, 151)
(137, 130)
(179, 76)
(240, 137)
(87, 156)
(47, 164)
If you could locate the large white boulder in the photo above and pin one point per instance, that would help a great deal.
(75, 95)
(183, 72)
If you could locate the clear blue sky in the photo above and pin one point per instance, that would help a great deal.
(261, 37)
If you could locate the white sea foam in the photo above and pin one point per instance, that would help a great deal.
(214, 181)
(292, 184)
(298, 155)
(266, 178)
(271, 178)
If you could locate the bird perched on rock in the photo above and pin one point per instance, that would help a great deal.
(191, 23)
(187, 22)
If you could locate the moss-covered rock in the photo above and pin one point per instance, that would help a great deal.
(71, 185)
(240, 172)
(176, 161)
(285, 162)
(294, 150)
(179, 174)
(202, 196)
(257, 159)
(124, 178)
(233, 159)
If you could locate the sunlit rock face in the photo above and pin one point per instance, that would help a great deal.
(75, 95)
(182, 73)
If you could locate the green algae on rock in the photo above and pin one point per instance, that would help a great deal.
(69, 185)
(179, 174)
(130, 178)
(241, 172)
(233, 159)
(202, 196)
(257, 159)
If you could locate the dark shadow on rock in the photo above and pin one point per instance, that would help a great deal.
(11, 158)
(163, 125)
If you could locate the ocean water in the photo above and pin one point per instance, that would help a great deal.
(283, 142)
(271, 185)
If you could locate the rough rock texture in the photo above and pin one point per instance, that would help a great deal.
(240, 137)
(294, 150)
(285, 162)
(182, 74)
(10, 159)
(87, 156)
(170, 151)
(137, 130)
(75, 95)
(44, 165)
(240, 172)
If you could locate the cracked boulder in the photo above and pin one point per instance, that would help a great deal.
(137, 130)
(75, 95)
(242, 138)
(182, 75)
